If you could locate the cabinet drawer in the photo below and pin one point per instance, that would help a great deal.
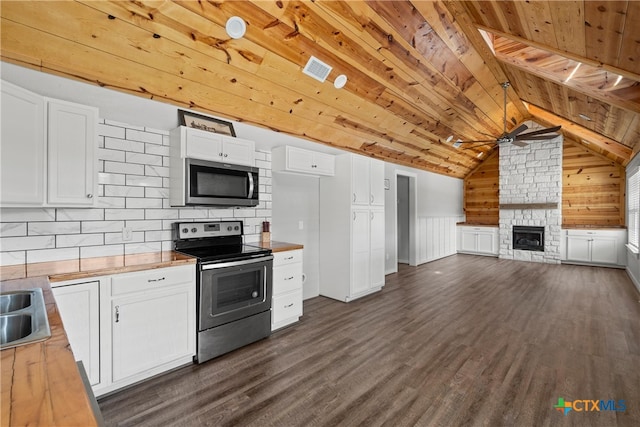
(287, 278)
(287, 257)
(286, 306)
(151, 279)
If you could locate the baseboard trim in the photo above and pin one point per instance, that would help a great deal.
(633, 279)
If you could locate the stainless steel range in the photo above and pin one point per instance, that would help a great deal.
(234, 285)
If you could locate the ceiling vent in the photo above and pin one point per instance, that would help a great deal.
(317, 69)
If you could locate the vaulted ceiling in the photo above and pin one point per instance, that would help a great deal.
(418, 72)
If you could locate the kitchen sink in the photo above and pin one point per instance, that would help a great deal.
(23, 318)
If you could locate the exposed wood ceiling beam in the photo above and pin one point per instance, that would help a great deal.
(618, 152)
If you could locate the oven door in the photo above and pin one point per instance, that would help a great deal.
(233, 290)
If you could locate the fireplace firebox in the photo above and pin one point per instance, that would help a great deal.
(528, 238)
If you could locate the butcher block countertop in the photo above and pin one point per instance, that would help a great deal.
(278, 246)
(41, 384)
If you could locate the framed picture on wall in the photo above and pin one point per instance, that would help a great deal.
(198, 121)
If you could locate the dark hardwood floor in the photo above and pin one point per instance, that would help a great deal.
(464, 340)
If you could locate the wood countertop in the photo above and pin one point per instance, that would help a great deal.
(91, 267)
(41, 384)
(276, 246)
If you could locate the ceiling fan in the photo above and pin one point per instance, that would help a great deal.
(515, 137)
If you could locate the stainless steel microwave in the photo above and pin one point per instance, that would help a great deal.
(216, 184)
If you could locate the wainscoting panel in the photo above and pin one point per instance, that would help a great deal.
(436, 237)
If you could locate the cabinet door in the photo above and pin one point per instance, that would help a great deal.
(485, 243)
(203, 145)
(22, 147)
(360, 180)
(299, 160)
(578, 248)
(72, 161)
(604, 250)
(238, 151)
(468, 241)
(376, 177)
(360, 251)
(79, 309)
(151, 329)
(325, 164)
(377, 248)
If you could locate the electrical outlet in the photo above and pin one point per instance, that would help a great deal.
(127, 234)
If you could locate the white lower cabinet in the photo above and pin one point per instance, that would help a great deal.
(478, 240)
(595, 247)
(286, 304)
(147, 324)
(79, 307)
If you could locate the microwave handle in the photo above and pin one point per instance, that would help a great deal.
(250, 185)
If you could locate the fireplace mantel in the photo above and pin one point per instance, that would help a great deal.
(529, 206)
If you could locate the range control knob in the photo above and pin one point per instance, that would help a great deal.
(193, 230)
(185, 230)
(229, 228)
(236, 228)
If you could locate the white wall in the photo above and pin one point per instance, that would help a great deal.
(438, 196)
(296, 218)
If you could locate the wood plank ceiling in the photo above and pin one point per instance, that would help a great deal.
(418, 71)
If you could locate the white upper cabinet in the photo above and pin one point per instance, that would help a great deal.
(22, 147)
(48, 154)
(203, 145)
(72, 161)
(376, 182)
(367, 177)
(299, 160)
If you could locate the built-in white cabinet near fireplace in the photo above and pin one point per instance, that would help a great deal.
(478, 240)
(595, 247)
(49, 151)
(352, 242)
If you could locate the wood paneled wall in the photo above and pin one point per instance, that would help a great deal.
(481, 189)
(593, 190)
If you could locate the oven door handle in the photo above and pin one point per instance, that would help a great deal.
(250, 185)
(236, 263)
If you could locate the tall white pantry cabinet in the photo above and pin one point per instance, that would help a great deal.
(352, 222)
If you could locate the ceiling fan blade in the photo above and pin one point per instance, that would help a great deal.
(479, 145)
(541, 131)
(517, 130)
(519, 143)
(534, 137)
(473, 142)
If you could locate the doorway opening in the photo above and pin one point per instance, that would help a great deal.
(406, 218)
(403, 219)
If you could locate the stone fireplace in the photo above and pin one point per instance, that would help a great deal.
(531, 196)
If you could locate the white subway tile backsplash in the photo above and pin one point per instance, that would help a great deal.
(13, 229)
(49, 255)
(23, 214)
(25, 243)
(123, 168)
(145, 181)
(124, 145)
(61, 227)
(133, 191)
(101, 251)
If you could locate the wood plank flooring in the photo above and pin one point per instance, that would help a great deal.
(464, 340)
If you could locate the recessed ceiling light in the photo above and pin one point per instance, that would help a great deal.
(449, 138)
(584, 117)
(480, 154)
(340, 81)
(617, 81)
(236, 27)
(458, 143)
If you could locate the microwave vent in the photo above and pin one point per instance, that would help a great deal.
(317, 69)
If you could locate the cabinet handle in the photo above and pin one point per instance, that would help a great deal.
(288, 305)
(117, 313)
(89, 196)
(288, 278)
(226, 155)
(372, 198)
(155, 280)
(372, 215)
(354, 197)
(220, 154)
(354, 216)
(314, 166)
(288, 258)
